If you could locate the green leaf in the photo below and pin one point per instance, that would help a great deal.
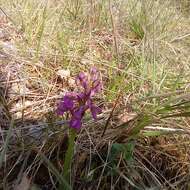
(126, 149)
(129, 151)
(116, 149)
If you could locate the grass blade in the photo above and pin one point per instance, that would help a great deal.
(5, 147)
(59, 177)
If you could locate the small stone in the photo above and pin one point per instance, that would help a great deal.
(64, 74)
(8, 48)
(71, 82)
(19, 88)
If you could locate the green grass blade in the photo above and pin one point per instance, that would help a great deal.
(142, 122)
(5, 147)
(184, 114)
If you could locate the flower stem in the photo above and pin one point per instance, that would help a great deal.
(68, 158)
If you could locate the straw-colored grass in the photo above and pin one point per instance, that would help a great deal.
(141, 47)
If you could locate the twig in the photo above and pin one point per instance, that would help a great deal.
(156, 128)
(180, 38)
(111, 113)
(7, 16)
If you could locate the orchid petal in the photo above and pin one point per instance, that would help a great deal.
(82, 79)
(94, 109)
(75, 123)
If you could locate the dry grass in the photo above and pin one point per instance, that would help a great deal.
(142, 51)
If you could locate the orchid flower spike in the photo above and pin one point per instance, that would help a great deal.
(77, 103)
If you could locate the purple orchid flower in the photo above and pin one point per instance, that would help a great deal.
(77, 103)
